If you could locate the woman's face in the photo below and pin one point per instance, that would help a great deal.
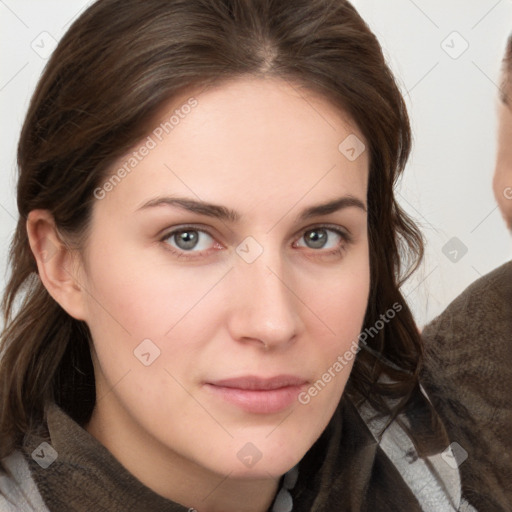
(226, 272)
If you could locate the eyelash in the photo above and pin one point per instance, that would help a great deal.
(345, 237)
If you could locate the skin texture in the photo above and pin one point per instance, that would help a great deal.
(267, 150)
(502, 183)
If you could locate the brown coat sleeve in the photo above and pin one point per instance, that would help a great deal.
(468, 375)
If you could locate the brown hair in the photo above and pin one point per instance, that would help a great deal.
(117, 65)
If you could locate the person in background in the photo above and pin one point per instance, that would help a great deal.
(467, 368)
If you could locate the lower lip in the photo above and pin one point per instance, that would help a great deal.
(259, 402)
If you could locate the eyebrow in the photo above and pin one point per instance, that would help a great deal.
(229, 215)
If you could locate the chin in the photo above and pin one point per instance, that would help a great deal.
(262, 458)
(263, 470)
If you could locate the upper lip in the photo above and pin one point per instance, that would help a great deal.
(260, 383)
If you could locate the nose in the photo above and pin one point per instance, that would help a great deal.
(264, 308)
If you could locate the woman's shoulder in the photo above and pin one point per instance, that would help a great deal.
(18, 490)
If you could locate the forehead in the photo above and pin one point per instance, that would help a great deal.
(246, 138)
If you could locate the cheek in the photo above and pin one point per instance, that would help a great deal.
(147, 323)
(343, 298)
(340, 305)
(344, 301)
(139, 296)
(347, 308)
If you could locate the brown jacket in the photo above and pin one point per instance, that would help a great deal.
(468, 375)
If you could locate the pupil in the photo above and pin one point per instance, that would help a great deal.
(187, 239)
(317, 237)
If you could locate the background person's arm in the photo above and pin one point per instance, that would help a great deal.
(468, 376)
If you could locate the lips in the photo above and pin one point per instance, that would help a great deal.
(258, 395)
(260, 384)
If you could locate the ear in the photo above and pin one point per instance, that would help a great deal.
(58, 266)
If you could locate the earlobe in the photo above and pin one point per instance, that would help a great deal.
(56, 263)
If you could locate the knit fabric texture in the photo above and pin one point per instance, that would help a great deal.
(468, 376)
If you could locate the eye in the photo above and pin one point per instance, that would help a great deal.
(189, 240)
(323, 237)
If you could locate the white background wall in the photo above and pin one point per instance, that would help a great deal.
(452, 101)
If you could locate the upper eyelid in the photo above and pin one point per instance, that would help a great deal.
(165, 233)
